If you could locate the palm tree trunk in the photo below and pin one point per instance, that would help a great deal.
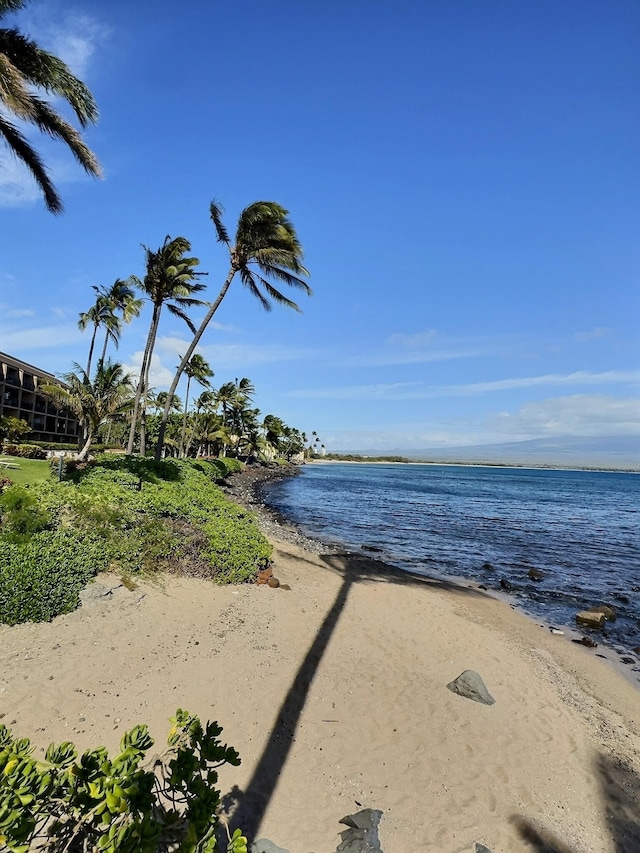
(91, 345)
(104, 346)
(85, 448)
(146, 359)
(185, 358)
(184, 419)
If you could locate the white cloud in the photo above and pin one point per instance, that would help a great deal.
(380, 391)
(417, 391)
(593, 335)
(18, 341)
(160, 377)
(238, 356)
(418, 356)
(415, 341)
(577, 415)
(580, 377)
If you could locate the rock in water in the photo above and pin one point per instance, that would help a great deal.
(362, 833)
(506, 585)
(263, 845)
(471, 686)
(591, 618)
(480, 848)
(586, 641)
(609, 613)
(535, 575)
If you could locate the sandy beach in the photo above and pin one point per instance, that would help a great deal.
(334, 693)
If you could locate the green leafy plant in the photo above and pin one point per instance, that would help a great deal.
(22, 514)
(117, 804)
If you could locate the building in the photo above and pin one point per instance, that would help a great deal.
(19, 398)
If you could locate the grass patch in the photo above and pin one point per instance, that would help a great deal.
(30, 471)
(55, 536)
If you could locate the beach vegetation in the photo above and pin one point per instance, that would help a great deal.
(27, 71)
(266, 251)
(123, 803)
(128, 515)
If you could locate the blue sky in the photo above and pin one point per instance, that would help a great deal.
(463, 177)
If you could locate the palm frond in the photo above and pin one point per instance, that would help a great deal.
(31, 159)
(48, 72)
(48, 121)
(247, 278)
(178, 312)
(278, 297)
(215, 211)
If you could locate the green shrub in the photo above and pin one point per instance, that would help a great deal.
(22, 515)
(25, 451)
(57, 536)
(43, 576)
(117, 804)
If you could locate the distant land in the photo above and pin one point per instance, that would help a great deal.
(614, 452)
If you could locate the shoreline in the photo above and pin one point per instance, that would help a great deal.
(509, 466)
(251, 495)
(333, 688)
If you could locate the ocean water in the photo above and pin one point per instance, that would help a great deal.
(581, 529)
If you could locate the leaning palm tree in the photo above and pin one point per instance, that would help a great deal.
(26, 71)
(199, 369)
(170, 280)
(93, 402)
(266, 249)
(124, 306)
(100, 314)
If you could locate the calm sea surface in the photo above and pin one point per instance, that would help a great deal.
(580, 528)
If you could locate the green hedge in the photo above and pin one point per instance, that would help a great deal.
(55, 536)
(24, 451)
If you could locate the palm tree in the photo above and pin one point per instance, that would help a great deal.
(93, 403)
(26, 71)
(266, 247)
(121, 299)
(170, 280)
(99, 314)
(199, 369)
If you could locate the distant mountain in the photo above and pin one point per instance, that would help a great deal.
(618, 451)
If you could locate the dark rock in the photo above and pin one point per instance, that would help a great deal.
(263, 845)
(362, 833)
(623, 599)
(535, 575)
(586, 641)
(591, 618)
(609, 613)
(637, 650)
(274, 583)
(481, 586)
(480, 848)
(488, 567)
(373, 548)
(470, 685)
(635, 589)
(628, 660)
(505, 584)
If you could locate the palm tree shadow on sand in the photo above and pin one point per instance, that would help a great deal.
(619, 783)
(248, 808)
(620, 794)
